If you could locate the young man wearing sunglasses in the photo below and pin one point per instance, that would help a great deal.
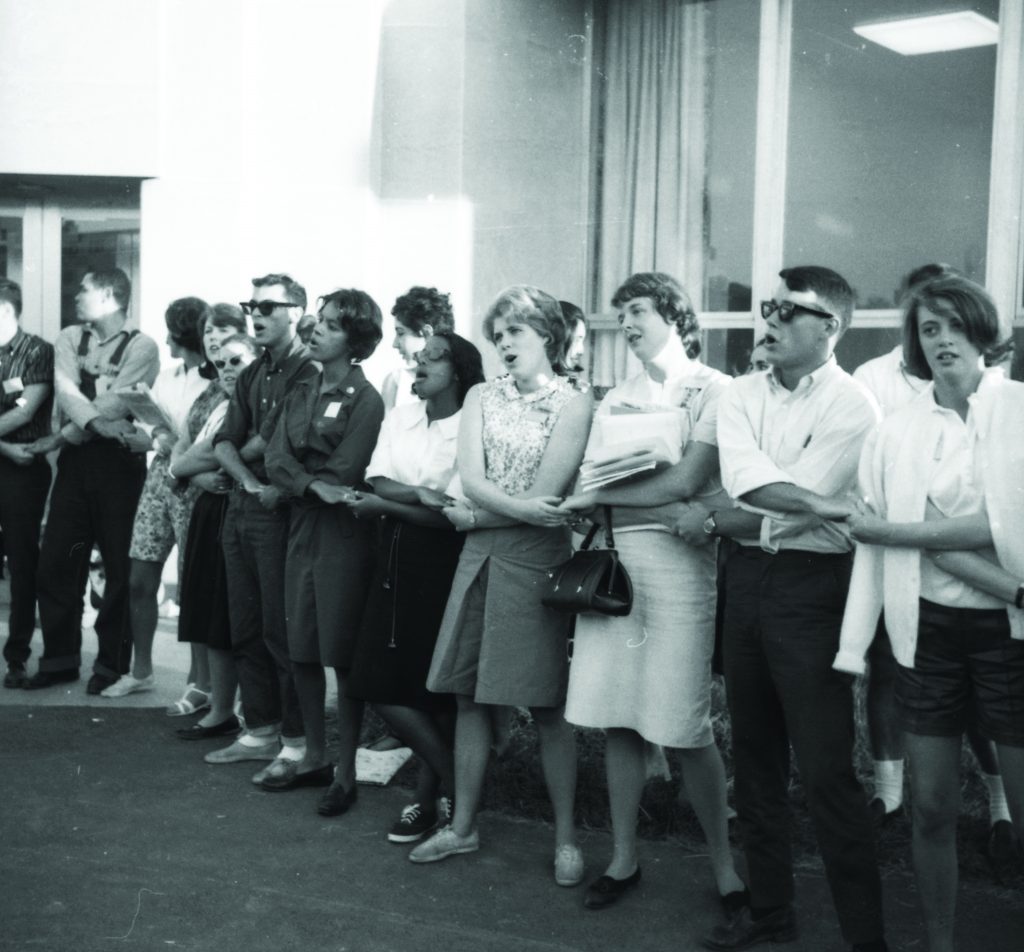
(255, 533)
(790, 441)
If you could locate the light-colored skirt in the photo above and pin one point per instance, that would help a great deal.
(651, 670)
(497, 643)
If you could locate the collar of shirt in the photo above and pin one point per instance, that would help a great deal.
(808, 382)
(89, 329)
(673, 361)
(448, 427)
(354, 380)
(8, 348)
(295, 349)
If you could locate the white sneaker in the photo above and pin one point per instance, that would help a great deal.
(445, 843)
(126, 685)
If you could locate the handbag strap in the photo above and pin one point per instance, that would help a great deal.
(609, 539)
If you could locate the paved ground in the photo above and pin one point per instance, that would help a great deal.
(115, 835)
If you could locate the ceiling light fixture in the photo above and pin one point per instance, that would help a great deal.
(936, 33)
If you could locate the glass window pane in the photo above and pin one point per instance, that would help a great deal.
(91, 242)
(732, 52)
(889, 155)
(11, 254)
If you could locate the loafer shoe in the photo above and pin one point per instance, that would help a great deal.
(444, 843)
(126, 685)
(743, 931)
(568, 865)
(198, 732)
(319, 777)
(16, 677)
(336, 800)
(98, 683)
(238, 752)
(47, 679)
(605, 890)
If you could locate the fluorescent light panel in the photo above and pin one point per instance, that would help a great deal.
(932, 34)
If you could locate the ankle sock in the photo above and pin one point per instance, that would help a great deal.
(255, 740)
(292, 753)
(889, 783)
(997, 808)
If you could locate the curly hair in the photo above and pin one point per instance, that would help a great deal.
(360, 319)
(670, 300)
(954, 296)
(525, 304)
(421, 306)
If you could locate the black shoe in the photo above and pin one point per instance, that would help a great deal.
(16, 676)
(318, 777)
(336, 800)
(879, 815)
(743, 931)
(197, 732)
(732, 904)
(47, 679)
(1002, 848)
(97, 683)
(605, 890)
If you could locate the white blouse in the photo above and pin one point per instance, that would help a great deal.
(414, 451)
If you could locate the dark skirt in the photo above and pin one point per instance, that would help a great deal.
(202, 591)
(406, 602)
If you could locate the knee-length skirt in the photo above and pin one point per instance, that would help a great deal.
(203, 593)
(650, 671)
(498, 644)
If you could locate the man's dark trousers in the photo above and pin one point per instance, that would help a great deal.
(93, 503)
(23, 491)
(782, 618)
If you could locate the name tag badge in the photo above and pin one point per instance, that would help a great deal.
(333, 409)
(14, 385)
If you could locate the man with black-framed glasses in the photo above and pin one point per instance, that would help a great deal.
(255, 533)
(789, 440)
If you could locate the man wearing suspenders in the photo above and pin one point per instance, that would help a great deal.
(100, 472)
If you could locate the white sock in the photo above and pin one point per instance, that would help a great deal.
(255, 740)
(292, 753)
(889, 783)
(997, 808)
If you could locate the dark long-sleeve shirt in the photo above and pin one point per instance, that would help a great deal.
(327, 435)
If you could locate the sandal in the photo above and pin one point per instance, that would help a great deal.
(191, 702)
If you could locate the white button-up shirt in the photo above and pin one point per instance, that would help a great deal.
(414, 451)
(810, 437)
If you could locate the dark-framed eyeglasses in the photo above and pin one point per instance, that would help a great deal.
(229, 362)
(422, 357)
(266, 308)
(788, 310)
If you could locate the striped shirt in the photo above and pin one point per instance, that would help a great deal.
(26, 360)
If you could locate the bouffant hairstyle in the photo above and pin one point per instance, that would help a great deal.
(244, 340)
(294, 292)
(227, 315)
(466, 361)
(524, 304)
(185, 318)
(420, 306)
(953, 296)
(359, 317)
(670, 300)
(832, 289)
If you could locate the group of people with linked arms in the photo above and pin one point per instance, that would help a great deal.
(407, 542)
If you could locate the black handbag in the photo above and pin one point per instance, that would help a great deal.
(593, 580)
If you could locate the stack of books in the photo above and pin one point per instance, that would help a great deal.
(633, 444)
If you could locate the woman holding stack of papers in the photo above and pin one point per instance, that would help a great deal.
(646, 677)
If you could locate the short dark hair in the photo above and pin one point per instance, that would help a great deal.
(228, 315)
(832, 288)
(116, 282)
(359, 317)
(184, 318)
(420, 306)
(525, 304)
(953, 295)
(466, 359)
(294, 292)
(670, 300)
(10, 291)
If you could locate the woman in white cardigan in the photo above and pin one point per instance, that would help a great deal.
(944, 473)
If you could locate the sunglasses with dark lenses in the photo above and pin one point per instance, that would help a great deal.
(788, 310)
(422, 357)
(266, 308)
(230, 362)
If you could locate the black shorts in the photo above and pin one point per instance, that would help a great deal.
(966, 668)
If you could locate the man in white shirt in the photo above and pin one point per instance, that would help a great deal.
(789, 441)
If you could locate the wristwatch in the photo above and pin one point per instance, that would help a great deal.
(710, 526)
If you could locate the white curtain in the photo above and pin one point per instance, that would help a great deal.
(650, 156)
